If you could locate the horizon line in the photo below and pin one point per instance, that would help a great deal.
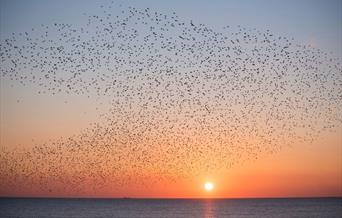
(168, 198)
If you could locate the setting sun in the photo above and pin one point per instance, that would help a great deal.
(208, 186)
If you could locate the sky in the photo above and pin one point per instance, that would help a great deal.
(299, 169)
(316, 22)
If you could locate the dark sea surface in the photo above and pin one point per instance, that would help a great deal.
(261, 208)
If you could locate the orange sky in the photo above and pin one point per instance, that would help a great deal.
(301, 171)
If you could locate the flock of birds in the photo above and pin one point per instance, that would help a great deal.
(184, 98)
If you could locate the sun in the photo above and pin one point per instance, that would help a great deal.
(208, 186)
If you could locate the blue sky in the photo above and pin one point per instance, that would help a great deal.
(318, 22)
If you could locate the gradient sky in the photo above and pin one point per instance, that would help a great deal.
(307, 169)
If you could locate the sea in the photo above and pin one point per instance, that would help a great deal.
(206, 208)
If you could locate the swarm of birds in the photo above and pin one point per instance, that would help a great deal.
(184, 98)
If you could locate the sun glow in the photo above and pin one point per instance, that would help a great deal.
(208, 186)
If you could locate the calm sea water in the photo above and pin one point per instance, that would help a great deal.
(260, 208)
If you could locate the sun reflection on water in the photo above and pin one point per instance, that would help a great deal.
(208, 208)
